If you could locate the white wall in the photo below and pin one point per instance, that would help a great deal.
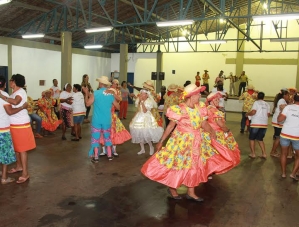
(35, 65)
(3, 55)
(93, 66)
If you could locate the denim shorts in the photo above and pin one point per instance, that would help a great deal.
(78, 119)
(284, 142)
(257, 134)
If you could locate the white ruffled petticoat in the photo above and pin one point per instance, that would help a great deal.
(144, 127)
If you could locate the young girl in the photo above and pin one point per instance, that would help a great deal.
(144, 127)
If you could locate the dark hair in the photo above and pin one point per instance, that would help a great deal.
(220, 87)
(19, 80)
(296, 97)
(187, 83)
(2, 81)
(260, 95)
(77, 86)
(163, 87)
(83, 77)
(54, 80)
(122, 83)
(279, 96)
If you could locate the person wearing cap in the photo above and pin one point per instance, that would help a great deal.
(171, 98)
(197, 79)
(20, 127)
(205, 80)
(231, 78)
(290, 136)
(144, 127)
(103, 100)
(184, 159)
(66, 111)
(225, 144)
(85, 83)
(46, 111)
(243, 82)
(259, 114)
(249, 98)
(79, 111)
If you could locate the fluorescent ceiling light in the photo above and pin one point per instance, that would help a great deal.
(153, 43)
(100, 29)
(93, 46)
(285, 40)
(212, 42)
(2, 2)
(32, 36)
(174, 23)
(271, 17)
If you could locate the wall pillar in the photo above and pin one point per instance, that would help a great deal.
(159, 67)
(66, 58)
(123, 62)
(9, 66)
(297, 75)
(240, 56)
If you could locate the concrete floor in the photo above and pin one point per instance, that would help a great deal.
(66, 189)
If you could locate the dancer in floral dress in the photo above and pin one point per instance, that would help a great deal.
(225, 142)
(188, 157)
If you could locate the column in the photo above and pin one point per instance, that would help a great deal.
(123, 62)
(9, 65)
(66, 58)
(159, 67)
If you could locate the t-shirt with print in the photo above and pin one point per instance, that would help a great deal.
(260, 119)
(22, 116)
(124, 94)
(102, 108)
(65, 95)
(290, 128)
(4, 117)
(276, 113)
(78, 104)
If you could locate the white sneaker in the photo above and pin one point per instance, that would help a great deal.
(141, 152)
(103, 154)
(115, 154)
(152, 151)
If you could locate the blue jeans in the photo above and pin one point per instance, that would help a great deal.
(38, 121)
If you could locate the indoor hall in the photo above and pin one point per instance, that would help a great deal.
(67, 189)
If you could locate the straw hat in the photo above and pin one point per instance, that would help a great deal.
(292, 89)
(103, 80)
(172, 87)
(206, 70)
(115, 81)
(192, 89)
(47, 91)
(250, 87)
(149, 85)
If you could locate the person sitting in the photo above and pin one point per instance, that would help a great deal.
(50, 121)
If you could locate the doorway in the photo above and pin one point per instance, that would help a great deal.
(4, 72)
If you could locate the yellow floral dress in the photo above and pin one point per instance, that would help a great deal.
(188, 157)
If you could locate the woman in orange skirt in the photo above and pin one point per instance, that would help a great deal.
(20, 128)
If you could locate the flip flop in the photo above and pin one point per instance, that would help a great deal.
(22, 180)
(263, 157)
(13, 170)
(276, 155)
(252, 157)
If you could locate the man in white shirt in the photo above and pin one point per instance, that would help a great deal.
(56, 93)
(259, 114)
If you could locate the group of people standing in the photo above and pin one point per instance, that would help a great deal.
(243, 81)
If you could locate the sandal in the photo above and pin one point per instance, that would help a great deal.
(294, 178)
(7, 180)
(37, 135)
(22, 180)
(13, 170)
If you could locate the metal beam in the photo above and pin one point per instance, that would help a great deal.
(216, 10)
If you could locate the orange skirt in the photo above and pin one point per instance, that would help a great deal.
(22, 137)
